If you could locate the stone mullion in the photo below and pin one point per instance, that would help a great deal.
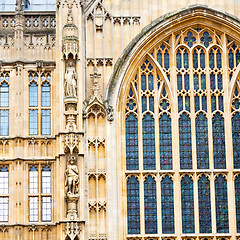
(140, 142)
(175, 142)
(156, 121)
(39, 104)
(141, 199)
(196, 207)
(213, 204)
(228, 141)
(192, 113)
(159, 204)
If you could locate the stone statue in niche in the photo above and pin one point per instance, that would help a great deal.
(19, 5)
(70, 83)
(72, 177)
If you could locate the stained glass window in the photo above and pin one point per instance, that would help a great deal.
(167, 205)
(202, 142)
(133, 206)
(148, 142)
(150, 206)
(218, 141)
(132, 142)
(204, 201)
(237, 200)
(236, 139)
(185, 142)
(188, 225)
(165, 139)
(221, 204)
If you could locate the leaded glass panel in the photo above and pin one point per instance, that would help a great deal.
(237, 201)
(236, 139)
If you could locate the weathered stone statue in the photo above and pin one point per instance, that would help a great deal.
(19, 5)
(72, 177)
(70, 84)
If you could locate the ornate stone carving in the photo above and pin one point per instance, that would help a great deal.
(109, 110)
(71, 142)
(72, 230)
(19, 6)
(71, 188)
(70, 81)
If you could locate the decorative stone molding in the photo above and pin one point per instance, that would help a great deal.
(71, 142)
(110, 111)
(72, 230)
(99, 62)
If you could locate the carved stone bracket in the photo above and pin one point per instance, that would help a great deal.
(71, 142)
(72, 230)
(110, 111)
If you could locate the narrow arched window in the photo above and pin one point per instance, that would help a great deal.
(33, 90)
(133, 206)
(150, 205)
(132, 142)
(202, 141)
(148, 142)
(237, 202)
(167, 205)
(221, 204)
(188, 225)
(218, 142)
(204, 202)
(185, 142)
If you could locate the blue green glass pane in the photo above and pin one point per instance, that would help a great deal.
(202, 59)
(179, 59)
(212, 81)
(159, 58)
(150, 82)
(221, 204)
(151, 103)
(166, 59)
(230, 60)
(236, 140)
(131, 142)
(219, 59)
(165, 140)
(195, 59)
(204, 103)
(204, 202)
(187, 201)
(237, 200)
(130, 92)
(167, 206)
(196, 81)
(187, 103)
(206, 39)
(148, 142)
(220, 103)
(237, 57)
(190, 39)
(211, 59)
(164, 104)
(218, 142)
(203, 81)
(236, 92)
(202, 142)
(144, 103)
(150, 206)
(180, 103)
(185, 142)
(213, 103)
(236, 104)
(220, 84)
(197, 104)
(143, 82)
(179, 82)
(185, 60)
(133, 206)
(186, 82)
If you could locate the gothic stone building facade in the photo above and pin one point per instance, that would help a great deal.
(119, 119)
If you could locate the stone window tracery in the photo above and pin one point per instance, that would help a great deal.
(175, 131)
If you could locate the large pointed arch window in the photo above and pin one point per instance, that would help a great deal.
(176, 120)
